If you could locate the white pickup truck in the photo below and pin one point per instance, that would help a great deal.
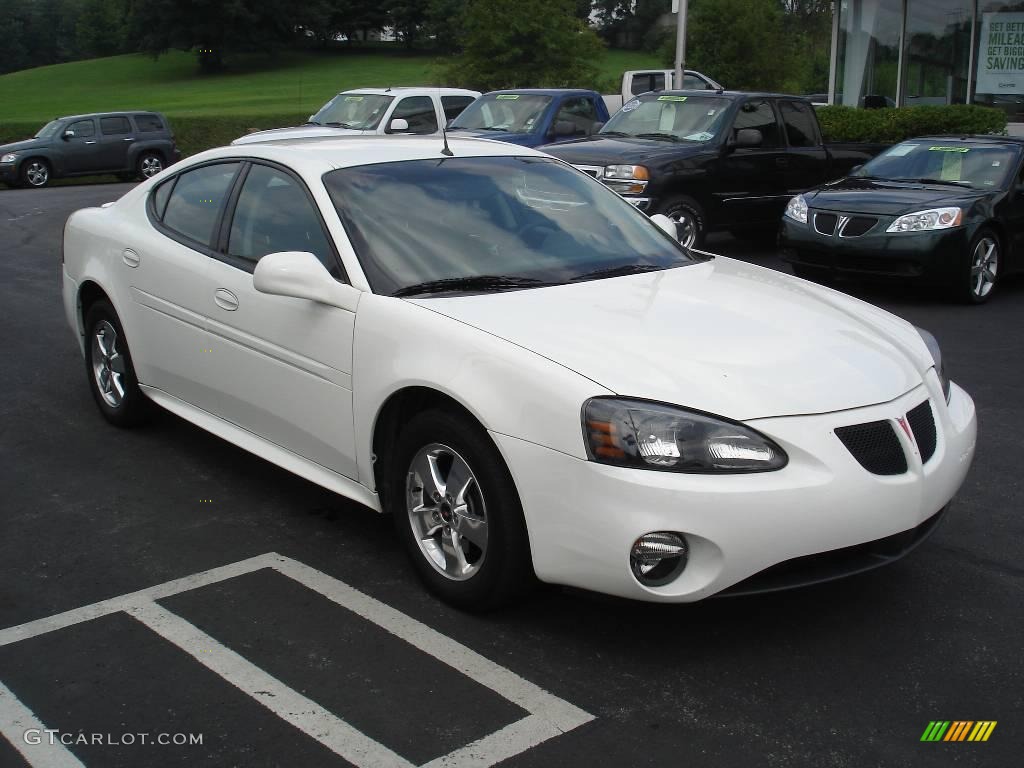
(637, 81)
(419, 111)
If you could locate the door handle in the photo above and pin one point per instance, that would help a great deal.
(225, 299)
(91, 141)
(130, 257)
(129, 139)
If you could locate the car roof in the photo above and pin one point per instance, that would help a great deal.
(317, 155)
(974, 138)
(115, 113)
(731, 95)
(413, 90)
(542, 91)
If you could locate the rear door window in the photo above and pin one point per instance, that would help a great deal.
(801, 127)
(112, 126)
(196, 201)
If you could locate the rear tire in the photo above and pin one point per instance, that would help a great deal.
(108, 365)
(35, 173)
(149, 165)
(468, 543)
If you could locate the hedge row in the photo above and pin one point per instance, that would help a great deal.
(889, 126)
(839, 124)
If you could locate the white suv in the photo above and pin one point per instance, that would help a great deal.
(377, 111)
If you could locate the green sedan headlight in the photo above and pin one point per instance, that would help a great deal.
(649, 435)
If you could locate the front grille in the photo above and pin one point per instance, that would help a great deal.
(875, 446)
(591, 170)
(922, 424)
(857, 226)
(825, 223)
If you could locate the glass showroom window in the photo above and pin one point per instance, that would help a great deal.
(937, 59)
(868, 52)
(1000, 57)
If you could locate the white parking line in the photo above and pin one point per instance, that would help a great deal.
(549, 716)
(16, 719)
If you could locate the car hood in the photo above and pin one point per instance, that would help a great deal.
(20, 146)
(858, 195)
(621, 149)
(522, 139)
(297, 132)
(720, 336)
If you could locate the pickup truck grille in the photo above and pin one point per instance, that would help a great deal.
(829, 224)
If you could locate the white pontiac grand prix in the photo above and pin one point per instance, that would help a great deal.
(530, 375)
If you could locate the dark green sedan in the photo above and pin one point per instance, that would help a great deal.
(948, 211)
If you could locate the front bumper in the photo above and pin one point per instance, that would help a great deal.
(931, 256)
(584, 517)
(8, 173)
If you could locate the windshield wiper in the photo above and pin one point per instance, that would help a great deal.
(622, 269)
(338, 125)
(669, 136)
(494, 128)
(312, 122)
(613, 133)
(939, 181)
(472, 283)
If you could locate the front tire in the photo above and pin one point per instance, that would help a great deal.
(35, 172)
(980, 271)
(457, 512)
(108, 364)
(689, 219)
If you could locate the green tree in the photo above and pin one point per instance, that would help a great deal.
(214, 29)
(444, 24)
(519, 43)
(740, 43)
(99, 28)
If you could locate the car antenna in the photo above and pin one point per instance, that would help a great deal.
(445, 150)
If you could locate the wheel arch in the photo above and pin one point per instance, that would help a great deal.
(89, 292)
(37, 156)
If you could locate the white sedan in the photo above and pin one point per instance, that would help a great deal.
(530, 375)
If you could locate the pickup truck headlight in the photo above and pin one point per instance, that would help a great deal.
(923, 221)
(8, 158)
(626, 172)
(933, 346)
(796, 209)
(648, 435)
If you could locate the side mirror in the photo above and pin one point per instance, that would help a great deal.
(68, 135)
(398, 125)
(563, 128)
(749, 137)
(666, 225)
(300, 275)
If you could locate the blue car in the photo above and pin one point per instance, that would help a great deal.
(532, 117)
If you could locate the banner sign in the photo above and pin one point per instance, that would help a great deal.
(1001, 53)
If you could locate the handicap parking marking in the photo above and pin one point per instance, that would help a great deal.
(548, 715)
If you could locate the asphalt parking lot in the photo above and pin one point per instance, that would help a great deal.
(161, 582)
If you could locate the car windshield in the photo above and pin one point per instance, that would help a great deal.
(512, 221)
(958, 163)
(503, 112)
(48, 130)
(671, 117)
(360, 111)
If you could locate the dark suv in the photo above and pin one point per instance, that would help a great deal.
(129, 144)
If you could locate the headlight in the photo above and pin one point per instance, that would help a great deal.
(933, 346)
(8, 158)
(646, 435)
(626, 172)
(796, 209)
(922, 221)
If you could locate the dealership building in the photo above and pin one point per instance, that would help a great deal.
(906, 52)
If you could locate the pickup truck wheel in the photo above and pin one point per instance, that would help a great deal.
(688, 218)
(35, 172)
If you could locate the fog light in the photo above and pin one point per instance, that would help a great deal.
(657, 558)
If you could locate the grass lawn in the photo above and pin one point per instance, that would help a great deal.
(294, 82)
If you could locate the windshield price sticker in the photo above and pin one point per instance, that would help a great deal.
(949, 149)
(629, 106)
(507, 96)
(671, 98)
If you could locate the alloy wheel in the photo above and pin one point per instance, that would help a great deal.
(686, 226)
(108, 366)
(447, 511)
(37, 174)
(984, 267)
(151, 166)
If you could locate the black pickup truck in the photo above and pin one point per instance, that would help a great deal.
(713, 160)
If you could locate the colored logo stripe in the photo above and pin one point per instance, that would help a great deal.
(958, 730)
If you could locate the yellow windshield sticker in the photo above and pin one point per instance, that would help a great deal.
(949, 149)
(504, 96)
(671, 98)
